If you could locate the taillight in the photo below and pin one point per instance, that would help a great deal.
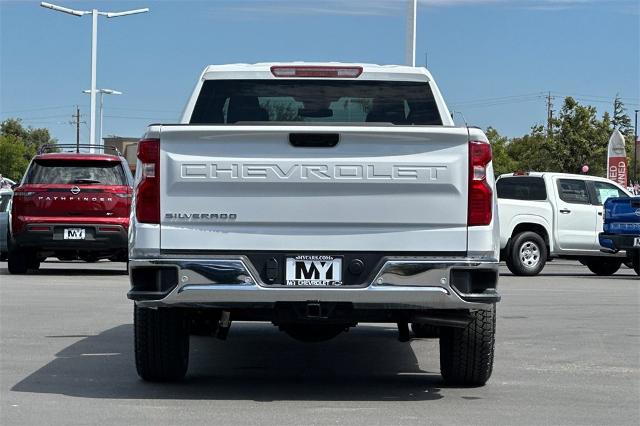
(316, 71)
(148, 190)
(480, 193)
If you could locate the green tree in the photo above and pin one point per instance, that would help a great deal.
(533, 152)
(33, 138)
(502, 161)
(18, 144)
(580, 138)
(621, 120)
(13, 153)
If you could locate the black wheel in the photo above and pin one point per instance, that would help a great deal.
(425, 331)
(17, 261)
(527, 254)
(466, 354)
(313, 332)
(161, 343)
(603, 267)
(33, 262)
(3, 255)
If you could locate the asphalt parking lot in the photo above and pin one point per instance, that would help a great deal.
(568, 352)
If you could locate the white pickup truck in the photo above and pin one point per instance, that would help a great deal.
(314, 197)
(554, 215)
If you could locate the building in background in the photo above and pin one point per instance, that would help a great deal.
(127, 146)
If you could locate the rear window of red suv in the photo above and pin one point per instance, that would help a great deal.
(76, 172)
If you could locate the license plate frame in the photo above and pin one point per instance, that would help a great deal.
(74, 234)
(313, 271)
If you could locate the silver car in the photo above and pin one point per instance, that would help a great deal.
(5, 207)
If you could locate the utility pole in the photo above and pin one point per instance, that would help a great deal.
(77, 123)
(549, 114)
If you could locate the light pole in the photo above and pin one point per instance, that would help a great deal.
(410, 48)
(635, 147)
(102, 92)
(94, 49)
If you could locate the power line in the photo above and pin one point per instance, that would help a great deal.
(44, 118)
(144, 109)
(598, 96)
(36, 109)
(498, 103)
(497, 99)
(140, 118)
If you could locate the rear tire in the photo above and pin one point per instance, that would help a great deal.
(527, 254)
(466, 354)
(17, 261)
(603, 267)
(161, 343)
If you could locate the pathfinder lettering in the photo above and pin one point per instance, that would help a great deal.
(56, 198)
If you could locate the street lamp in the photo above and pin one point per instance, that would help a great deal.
(635, 147)
(94, 49)
(102, 93)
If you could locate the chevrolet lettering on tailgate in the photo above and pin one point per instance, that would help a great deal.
(302, 172)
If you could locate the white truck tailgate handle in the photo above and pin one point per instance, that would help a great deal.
(314, 140)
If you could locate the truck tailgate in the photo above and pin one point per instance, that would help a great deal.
(392, 189)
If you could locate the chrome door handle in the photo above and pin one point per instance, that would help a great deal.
(565, 211)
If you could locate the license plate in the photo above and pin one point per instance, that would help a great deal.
(74, 234)
(636, 242)
(322, 271)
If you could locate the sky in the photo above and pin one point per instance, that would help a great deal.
(494, 60)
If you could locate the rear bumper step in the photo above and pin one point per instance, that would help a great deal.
(231, 281)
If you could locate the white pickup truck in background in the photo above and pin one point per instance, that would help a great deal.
(314, 197)
(554, 215)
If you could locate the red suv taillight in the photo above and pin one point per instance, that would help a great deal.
(480, 193)
(148, 190)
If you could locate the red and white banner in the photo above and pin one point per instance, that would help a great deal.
(617, 169)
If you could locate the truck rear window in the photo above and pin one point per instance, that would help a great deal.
(522, 188)
(315, 101)
(76, 172)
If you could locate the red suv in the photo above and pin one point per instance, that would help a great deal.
(70, 205)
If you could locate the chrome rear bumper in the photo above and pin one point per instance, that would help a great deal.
(399, 283)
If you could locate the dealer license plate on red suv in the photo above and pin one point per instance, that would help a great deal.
(74, 234)
(322, 271)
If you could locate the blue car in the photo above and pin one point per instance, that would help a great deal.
(622, 228)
